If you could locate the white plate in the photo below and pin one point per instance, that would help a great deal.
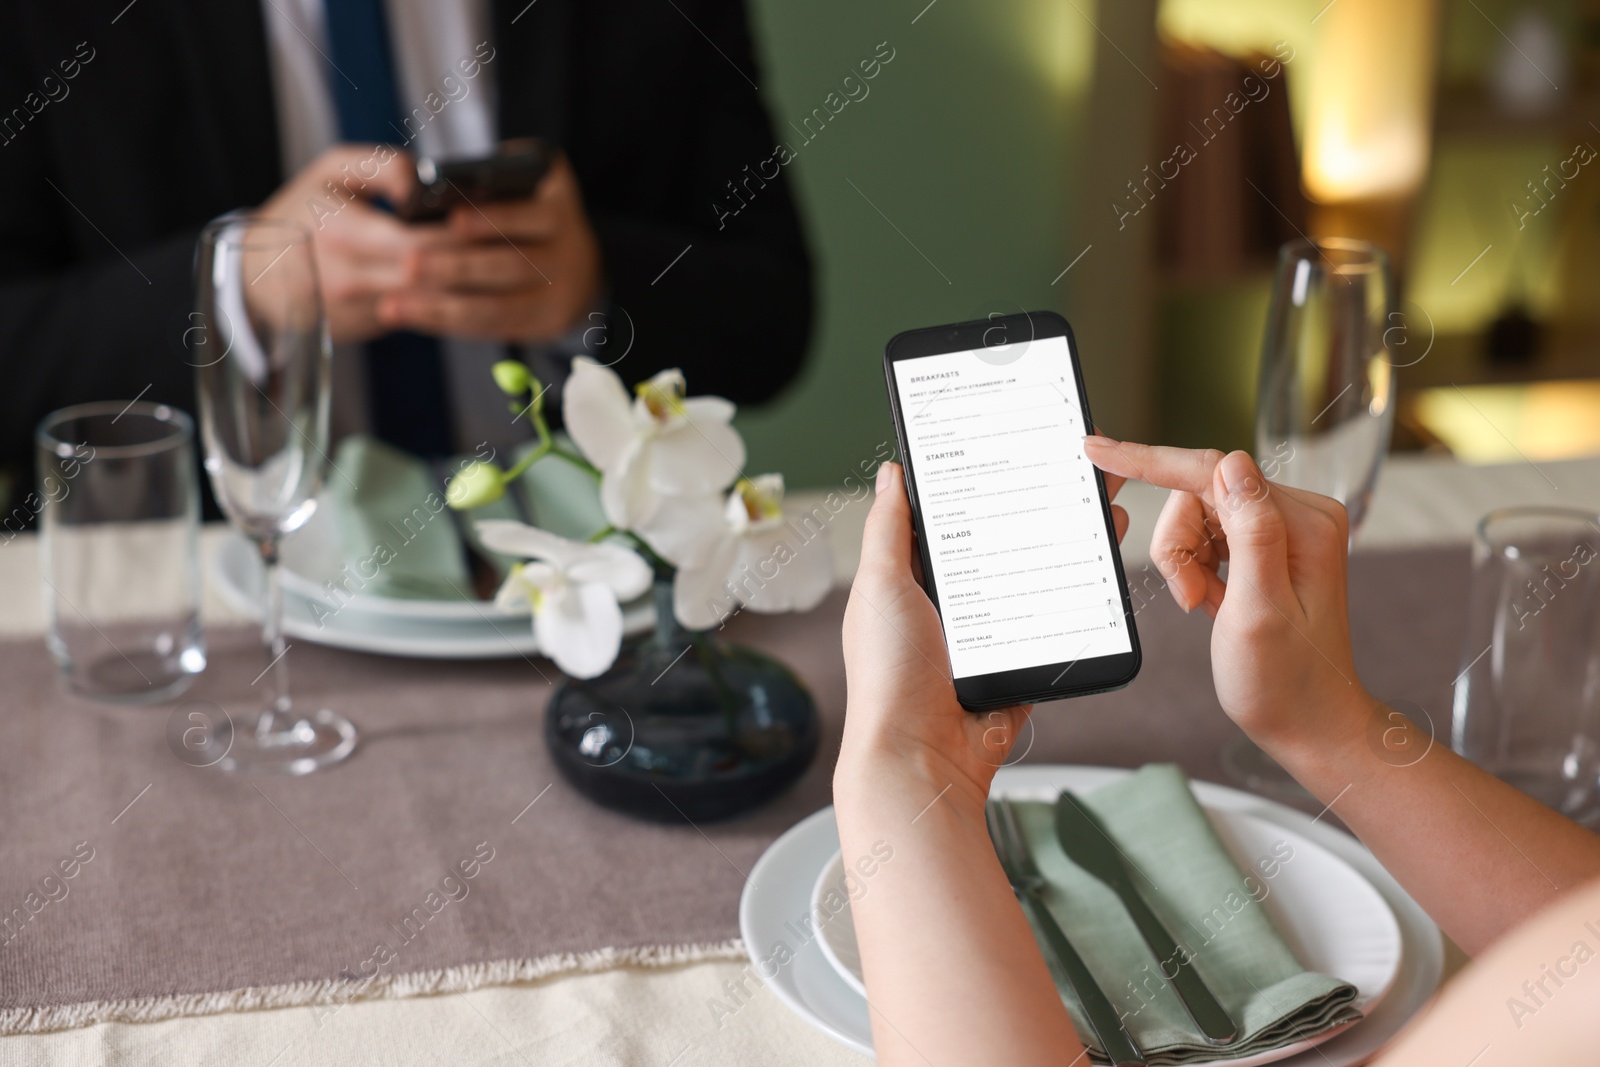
(1332, 918)
(776, 905)
(482, 633)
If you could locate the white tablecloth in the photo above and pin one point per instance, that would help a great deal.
(628, 1016)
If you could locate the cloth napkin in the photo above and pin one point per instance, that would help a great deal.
(1210, 907)
(396, 534)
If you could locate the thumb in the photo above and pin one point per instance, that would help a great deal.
(1258, 540)
(886, 543)
(369, 171)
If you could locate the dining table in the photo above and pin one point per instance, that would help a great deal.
(274, 922)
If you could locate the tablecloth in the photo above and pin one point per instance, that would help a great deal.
(628, 1015)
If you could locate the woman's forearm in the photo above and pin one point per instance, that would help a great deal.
(1529, 1001)
(954, 972)
(1477, 854)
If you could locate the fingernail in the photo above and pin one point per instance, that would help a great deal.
(885, 477)
(1240, 477)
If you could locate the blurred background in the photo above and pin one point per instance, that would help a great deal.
(1011, 156)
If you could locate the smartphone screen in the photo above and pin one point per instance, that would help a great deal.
(1016, 538)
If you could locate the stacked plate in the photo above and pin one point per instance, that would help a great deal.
(320, 605)
(1339, 910)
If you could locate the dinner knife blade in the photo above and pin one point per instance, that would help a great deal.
(1086, 843)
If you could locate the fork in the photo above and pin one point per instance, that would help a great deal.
(1028, 884)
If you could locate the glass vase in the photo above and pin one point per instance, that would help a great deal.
(683, 725)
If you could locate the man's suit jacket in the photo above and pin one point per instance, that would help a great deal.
(168, 121)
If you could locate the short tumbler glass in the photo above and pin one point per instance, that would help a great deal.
(1527, 701)
(118, 506)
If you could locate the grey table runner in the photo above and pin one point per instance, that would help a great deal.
(191, 891)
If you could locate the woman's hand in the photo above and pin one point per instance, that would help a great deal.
(1280, 650)
(1281, 661)
(909, 791)
(903, 719)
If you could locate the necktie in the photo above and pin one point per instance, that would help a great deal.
(406, 388)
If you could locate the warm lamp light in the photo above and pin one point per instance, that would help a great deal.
(1369, 101)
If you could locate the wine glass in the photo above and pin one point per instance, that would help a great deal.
(263, 360)
(1325, 402)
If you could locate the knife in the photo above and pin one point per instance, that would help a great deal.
(1087, 844)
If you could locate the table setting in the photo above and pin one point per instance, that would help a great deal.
(562, 724)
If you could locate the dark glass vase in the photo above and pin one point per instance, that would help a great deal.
(683, 726)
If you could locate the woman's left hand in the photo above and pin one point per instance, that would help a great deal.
(903, 718)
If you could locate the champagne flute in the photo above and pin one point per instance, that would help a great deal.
(263, 360)
(1325, 402)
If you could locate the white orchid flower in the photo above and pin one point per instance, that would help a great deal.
(664, 458)
(574, 588)
(760, 560)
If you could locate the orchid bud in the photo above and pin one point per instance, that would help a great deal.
(477, 484)
(513, 377)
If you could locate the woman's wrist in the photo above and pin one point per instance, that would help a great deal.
(1335, 744)
(889, 769)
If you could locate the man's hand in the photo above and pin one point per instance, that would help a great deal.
(362, 253)
(524, 270)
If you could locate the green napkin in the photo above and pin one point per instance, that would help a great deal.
(397, 537)
(399, 540)
(1208, 905)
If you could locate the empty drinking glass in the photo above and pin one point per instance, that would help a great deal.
(1527, 701)
(1324, 406)
(264, 362)
(118, 506)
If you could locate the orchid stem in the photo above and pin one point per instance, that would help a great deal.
(528, 460)
(601, 534)
(576, 460)
(659, 565)
(548, 447)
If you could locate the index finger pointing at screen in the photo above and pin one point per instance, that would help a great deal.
(1191, 470)
(1251, 523)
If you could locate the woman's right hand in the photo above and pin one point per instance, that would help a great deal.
(1280, 649)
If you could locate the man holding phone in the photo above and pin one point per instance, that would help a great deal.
(190, 108)
(504, 270)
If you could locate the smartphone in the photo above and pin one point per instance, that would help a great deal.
(1012, 521)
(514, 171)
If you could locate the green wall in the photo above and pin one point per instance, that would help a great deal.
(964, 144)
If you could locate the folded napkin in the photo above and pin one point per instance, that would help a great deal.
(397, 536)
(398, 540)
(1206, 903)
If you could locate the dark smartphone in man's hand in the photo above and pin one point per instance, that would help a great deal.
(512, 173)
(1013, 523)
